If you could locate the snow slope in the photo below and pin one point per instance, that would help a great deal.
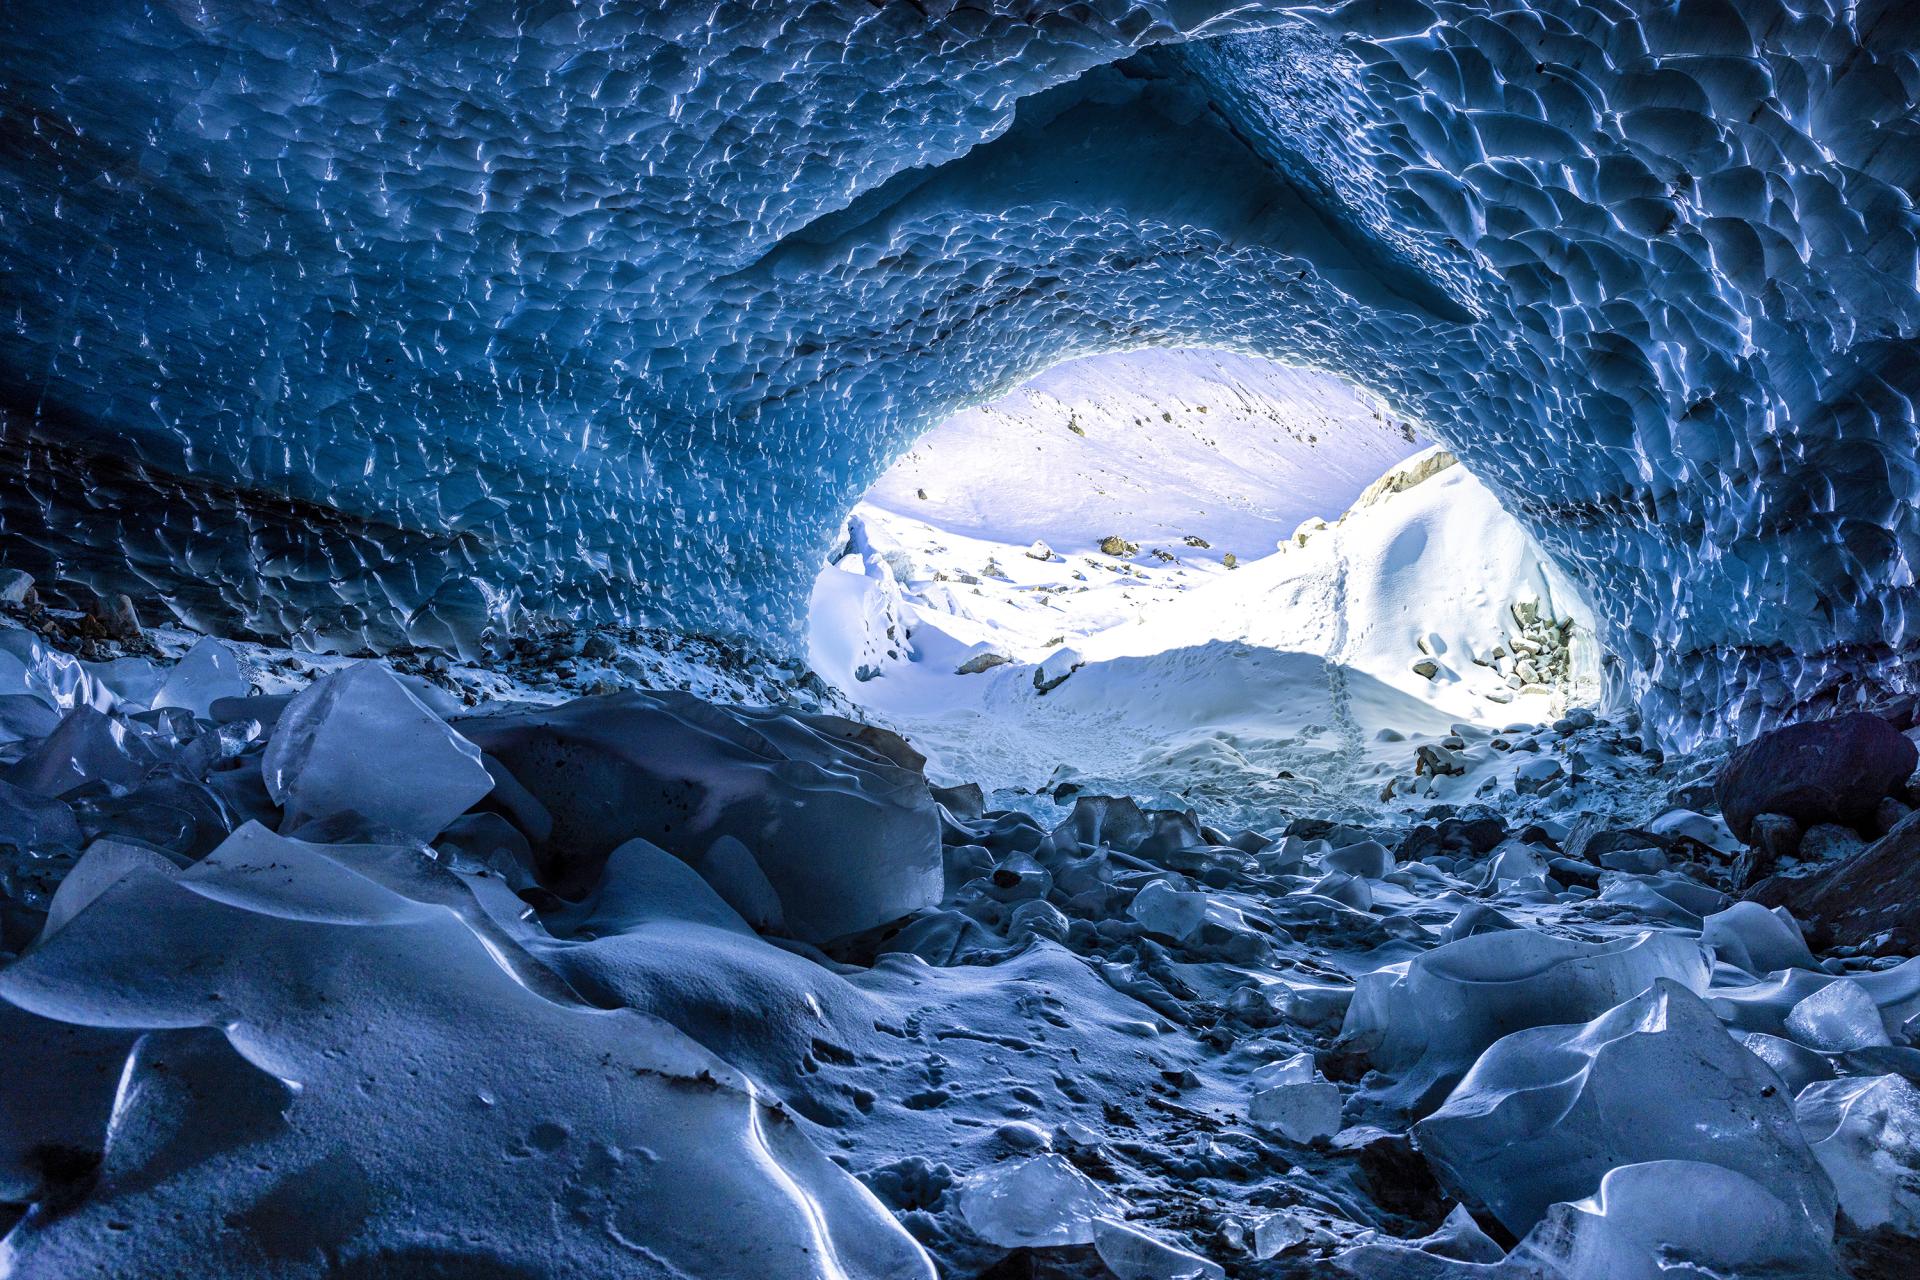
(1299, 677)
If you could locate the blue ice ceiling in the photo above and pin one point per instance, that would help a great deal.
(362, 322)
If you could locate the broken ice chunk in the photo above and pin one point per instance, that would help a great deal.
(735, 875)
(1748, 936)
(209, 671)
(1173, 913)
(87, 746)
(1664, 1218)
(1040, 1202)
(1132, 1254)
(1292, 1098)
(1428, 1018)
(1547, 1111)
(1866, 1135)
(1838, 1017)
(358, 742)
(1368, 859)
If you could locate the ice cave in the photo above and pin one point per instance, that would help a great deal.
(891, 639)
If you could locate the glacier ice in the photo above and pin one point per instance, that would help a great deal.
(1648, 1221)
(359, 742)
(1865, 1131)
(838, 818)
(394, 329)
(303, 994)
(1425, 1021)
(1547, 1111)
(1036, 1202)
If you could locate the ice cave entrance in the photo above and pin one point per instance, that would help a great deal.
(1192, 571)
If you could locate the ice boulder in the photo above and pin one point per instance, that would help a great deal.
(1037, 1202)
(359, 742)
(209, 672)
(1866, 1134)
(1547, 1111)
(317, 1072)
(1840, 1016)
(1133, 1254)
(1171, 912)
(1366, 858)
(1295, 1100)
(839, 819)
(1427, 1019)
(86, 746)
(1666, 1218)
(1748, 936)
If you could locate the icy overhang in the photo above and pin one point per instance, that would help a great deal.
(365, 323)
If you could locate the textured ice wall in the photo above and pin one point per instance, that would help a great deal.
(337, 317)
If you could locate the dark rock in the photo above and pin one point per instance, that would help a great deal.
(1834, 770)
(1890, 814)
(1773, 836)
(1875, 892)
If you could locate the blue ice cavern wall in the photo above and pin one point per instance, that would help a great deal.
(363, 322)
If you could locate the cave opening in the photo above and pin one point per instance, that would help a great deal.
(1187, 573)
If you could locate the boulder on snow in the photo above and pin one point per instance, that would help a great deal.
(1834, 770)
(838, 817)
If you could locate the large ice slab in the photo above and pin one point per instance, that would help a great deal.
(1426, 1020)
(846, 833)
(358, 742)
(360, 1075)
(1546, 1112)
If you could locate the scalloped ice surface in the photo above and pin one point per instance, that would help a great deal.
(370, 324)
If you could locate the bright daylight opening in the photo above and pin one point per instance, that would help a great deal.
(1197, 574)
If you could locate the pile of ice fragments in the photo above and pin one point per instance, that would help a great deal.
(386, 325)
(356, 980)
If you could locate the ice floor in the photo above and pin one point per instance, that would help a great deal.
(325, 967)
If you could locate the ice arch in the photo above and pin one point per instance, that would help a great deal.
(361, 322)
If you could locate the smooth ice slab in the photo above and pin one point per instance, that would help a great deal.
(1427, 1019)
(1037, 1203)
(1547, 1111)
(1865, 1133)
(359, 742)
(1654, 1220)
(209, 671)
(837, 815)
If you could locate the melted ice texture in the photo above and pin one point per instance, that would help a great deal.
(366, 325)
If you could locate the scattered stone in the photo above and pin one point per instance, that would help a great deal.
(982, 662)
(1039, 551)
(1115, 545)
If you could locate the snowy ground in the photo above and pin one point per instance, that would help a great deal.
(1311, 673)
(305, 958)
